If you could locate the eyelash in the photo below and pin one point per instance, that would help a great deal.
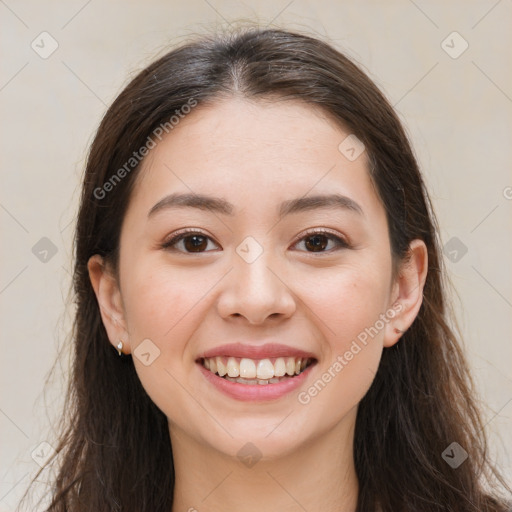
(340, 242)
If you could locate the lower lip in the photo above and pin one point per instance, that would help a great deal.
(255, 392)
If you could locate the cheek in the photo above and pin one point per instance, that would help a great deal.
(347, 301)
(350, 310)
(161, 304)
(164, 306)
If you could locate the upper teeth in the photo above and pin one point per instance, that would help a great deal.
(251, 369)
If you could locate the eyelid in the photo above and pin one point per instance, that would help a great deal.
(340, 239)
(182, 233)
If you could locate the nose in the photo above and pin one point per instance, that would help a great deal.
(256, 291)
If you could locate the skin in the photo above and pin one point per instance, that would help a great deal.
(256, 155)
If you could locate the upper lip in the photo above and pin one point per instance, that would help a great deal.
(269, 350)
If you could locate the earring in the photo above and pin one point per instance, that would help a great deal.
(120, 347)
(399, 331)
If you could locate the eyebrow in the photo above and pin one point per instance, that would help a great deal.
(221, 206)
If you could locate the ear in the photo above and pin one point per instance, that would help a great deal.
(108, 295)
(407, 292)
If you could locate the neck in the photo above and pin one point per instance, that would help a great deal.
(319, 475)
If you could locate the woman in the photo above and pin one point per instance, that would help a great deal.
(261, 317)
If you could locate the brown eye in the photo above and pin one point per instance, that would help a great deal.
(316, 243)
(194, 242)
(319, 241)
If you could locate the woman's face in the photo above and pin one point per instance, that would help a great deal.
(286, 255)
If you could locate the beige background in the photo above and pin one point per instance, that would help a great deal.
(457, 111)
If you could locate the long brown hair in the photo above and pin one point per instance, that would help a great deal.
(115, 452)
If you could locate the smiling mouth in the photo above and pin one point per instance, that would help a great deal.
(256, 371)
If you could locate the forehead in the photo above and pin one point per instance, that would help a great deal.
(234, 129)
(250, 150)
